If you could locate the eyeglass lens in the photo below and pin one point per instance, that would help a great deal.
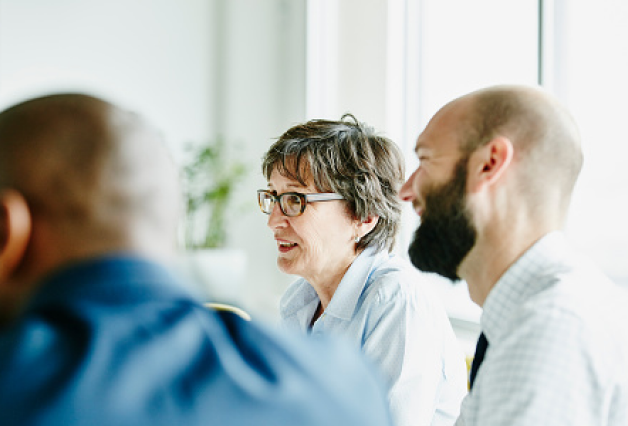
(266, 202)
(290, 204)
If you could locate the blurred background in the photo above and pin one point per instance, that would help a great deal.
(244, 71)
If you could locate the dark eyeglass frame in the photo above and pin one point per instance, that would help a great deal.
(305, 199)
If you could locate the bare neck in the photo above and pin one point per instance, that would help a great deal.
(327, 284)
(495, 251)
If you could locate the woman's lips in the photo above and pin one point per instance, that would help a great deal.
(285, 246)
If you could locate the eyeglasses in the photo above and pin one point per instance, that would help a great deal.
(291, 203)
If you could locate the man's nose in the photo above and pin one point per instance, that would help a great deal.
(406, 193)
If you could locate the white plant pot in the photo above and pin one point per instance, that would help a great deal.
(218, 274)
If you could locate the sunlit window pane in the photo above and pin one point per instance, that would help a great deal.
(590, 75)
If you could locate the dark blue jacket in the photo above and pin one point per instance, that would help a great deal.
(118, 341)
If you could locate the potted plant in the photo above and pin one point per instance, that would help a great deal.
(210, 177)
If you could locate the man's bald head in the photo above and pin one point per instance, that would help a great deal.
(548, 153)
(95, 175)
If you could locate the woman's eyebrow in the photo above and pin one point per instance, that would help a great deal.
(290, 186)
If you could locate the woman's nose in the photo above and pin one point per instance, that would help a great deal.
(276, 218)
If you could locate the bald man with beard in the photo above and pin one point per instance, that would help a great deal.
(95, 331)
(497, 170)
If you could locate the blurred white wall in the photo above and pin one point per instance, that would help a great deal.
(151, 55)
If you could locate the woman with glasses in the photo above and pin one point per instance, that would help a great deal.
(334, 213)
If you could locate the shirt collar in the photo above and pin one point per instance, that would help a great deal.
(299, 295)
(301, 298)
(345, 300)
(518, 283)
(114, 279)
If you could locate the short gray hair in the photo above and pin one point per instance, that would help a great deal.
(346, 157)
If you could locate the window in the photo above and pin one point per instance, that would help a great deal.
(588, 69)
(416, 55)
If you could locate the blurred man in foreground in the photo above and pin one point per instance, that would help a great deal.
(496, 174)
(95, 331)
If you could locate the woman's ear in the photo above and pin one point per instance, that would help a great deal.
(15, 231)
(366, 226)
(488, 163)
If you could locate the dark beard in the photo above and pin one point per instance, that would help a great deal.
(446, 234)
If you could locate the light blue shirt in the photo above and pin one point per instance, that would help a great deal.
(383, 306)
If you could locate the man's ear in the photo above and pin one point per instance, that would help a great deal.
(367, 225)
(15, 231)
(488, 163)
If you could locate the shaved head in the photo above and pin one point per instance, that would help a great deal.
(545, 137)
(96, 178)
